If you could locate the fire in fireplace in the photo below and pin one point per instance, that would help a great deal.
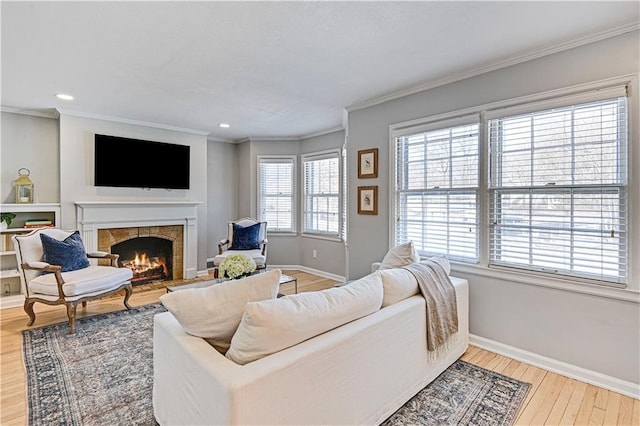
(148, 257)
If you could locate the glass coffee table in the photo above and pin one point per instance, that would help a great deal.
(284, 279)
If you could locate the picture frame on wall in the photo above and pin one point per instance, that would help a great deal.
(368, 200)
(368, 163)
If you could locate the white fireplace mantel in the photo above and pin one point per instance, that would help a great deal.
(94, 215)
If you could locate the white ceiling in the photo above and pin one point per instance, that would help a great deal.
(270, 69)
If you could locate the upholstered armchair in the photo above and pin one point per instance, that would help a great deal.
(55, 270)
(244, 236)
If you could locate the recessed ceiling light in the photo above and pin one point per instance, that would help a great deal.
(64, 96)
(224, 125)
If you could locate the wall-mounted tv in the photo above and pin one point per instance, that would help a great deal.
(136, 163)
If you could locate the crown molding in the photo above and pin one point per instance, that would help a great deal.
(276, 138)
(514, 60)
(133, 122)
(211, 138)
(35, 113)
(322, 133)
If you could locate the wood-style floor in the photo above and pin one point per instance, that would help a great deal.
(552, 400)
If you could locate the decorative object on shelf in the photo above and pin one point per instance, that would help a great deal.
(23, 187)
(368, 163)
(368, 200)
(5, 219)
(236, 266)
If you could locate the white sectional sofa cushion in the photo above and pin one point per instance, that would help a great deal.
(272, 325)
(214, 312)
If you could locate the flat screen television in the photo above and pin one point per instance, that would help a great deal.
(136, 163)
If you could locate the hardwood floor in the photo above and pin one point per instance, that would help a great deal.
(552, 400)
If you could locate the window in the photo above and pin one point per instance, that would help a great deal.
(436, 189)
(322, 199)
(538, 186)
(276, 189)
(558, 190)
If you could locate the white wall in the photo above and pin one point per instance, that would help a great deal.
(591, 332)
(76, 170)
(31, 142)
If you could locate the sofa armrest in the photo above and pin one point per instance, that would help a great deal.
(188, 372)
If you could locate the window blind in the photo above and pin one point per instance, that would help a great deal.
(436, 190)
(276, 193)
(321, 186)
(558, 197)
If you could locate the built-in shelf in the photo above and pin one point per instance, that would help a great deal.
(11, 285)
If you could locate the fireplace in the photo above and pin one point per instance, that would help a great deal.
(150, 258)
(153, 253)
(106, 223)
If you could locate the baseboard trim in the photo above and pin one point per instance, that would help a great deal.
(11, 301)
(318, 272)
(560, 367)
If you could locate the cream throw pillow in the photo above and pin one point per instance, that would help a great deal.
(273, 325)
(214, 312)
(399, 256)
(398, 284)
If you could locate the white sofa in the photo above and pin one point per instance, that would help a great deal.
(358, 373)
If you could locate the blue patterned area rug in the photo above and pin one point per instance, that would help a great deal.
(103, 375)
(100, 375)
(464, 394)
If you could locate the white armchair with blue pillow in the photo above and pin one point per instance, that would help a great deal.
(245, 236)
(55, 270)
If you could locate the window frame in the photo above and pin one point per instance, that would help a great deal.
(577, 94)
(278, 159)
(571, 193)
(435, 125)
(316, 156)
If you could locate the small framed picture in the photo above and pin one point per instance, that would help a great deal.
(368, 200)
(368, 163)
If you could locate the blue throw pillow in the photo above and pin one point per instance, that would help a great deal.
(69, 253)
(245, 238)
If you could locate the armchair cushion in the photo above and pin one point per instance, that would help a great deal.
(68, 253)
(245, 238)
(89, 280)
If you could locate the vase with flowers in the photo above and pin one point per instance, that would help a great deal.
(236, 266)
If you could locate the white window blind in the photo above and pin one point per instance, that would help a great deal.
(322, 193)
(558, 197)
(436, 190)
(276, 191)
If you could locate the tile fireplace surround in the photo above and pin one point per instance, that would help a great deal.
(95, 216)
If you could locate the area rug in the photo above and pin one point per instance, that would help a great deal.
(103, 375)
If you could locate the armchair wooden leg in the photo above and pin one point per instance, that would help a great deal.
(28, 308)
(71, 313)
(127, 295)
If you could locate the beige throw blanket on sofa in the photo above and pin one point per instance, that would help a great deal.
(440, 296)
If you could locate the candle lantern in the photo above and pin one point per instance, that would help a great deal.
(23, 187)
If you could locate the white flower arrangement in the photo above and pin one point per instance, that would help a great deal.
(235, 266)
